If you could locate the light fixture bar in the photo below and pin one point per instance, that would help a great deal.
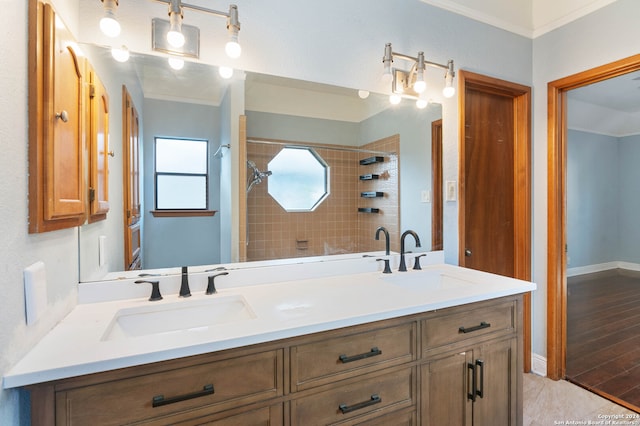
(199, 8)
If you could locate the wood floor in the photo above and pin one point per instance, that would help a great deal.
(603, 334)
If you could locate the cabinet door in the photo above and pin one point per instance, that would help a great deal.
(446, 383)
(497, 382)
(56, 138)
(98, 137)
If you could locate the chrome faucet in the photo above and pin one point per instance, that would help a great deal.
(403, 265)
(386, 238)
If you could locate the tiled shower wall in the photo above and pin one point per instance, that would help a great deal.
(335, 226)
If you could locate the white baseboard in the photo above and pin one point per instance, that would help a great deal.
(538, 365)
(599, 267)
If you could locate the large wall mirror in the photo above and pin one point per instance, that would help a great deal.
(332, 124)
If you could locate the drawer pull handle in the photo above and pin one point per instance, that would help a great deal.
(159, 401)
(375, 399)
(373, 352)
(475, 328)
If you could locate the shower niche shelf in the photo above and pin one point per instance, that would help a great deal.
(371, 160)
(372, 194)
(368, 210)
(370, 177)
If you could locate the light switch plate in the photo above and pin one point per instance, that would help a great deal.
(425, 196)
(35, 291)
(451, 190)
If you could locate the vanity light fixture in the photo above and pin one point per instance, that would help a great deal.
(120, 54)
(225, 72)
(174, 36)
(109, 24)
(176, 63)
(412, 83)
(177, 36)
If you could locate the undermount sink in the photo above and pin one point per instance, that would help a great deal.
(426, 280)
(177, 317)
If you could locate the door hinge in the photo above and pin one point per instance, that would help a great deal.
(92, 194)
(128, 214)
(92, 90)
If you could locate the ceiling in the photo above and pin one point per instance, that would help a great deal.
(530, 18)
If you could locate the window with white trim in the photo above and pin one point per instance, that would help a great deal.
(181, 174)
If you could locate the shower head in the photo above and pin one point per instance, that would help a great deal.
(256, 176)
(218, 153)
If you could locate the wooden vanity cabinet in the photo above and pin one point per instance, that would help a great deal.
(472, 370)
(56, 129)
(420, 369)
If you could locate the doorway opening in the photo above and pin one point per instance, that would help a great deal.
(557, 290)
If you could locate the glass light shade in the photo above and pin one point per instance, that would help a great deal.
(175, 38)
(422, 103)
(364, 94)
(395, 99)
(449, 91)
(225, 72)
(420, 86)
(176, 63)
(120, 54)
(233, 49)
(109, 25)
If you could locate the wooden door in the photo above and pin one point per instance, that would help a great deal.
(495, 182)
(436, 179)
(131, 189)
(489, 185)
(98, 139)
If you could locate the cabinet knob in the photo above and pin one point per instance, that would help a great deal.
(111, 154)
(63, 115)
(467, 252)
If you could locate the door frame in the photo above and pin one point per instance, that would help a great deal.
(556, 199)
(521, 96)
(436, 184)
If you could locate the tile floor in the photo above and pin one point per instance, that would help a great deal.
(548, 402)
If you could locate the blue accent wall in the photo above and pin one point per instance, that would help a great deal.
(180, 241)
(603, 198)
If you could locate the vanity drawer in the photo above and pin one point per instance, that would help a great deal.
(214, 386)
(334, 358)
(460, 325)
(356, 401)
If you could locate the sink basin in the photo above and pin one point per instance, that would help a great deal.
(178, 317)
(426, 280)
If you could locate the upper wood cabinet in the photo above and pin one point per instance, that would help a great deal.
(98, 141)
(56, 141)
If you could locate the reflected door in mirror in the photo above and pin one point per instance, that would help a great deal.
(131, 190)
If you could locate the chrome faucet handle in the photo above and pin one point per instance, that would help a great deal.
(155, 289)
(416, 261)
(219, 268)
(211, 285)
(387, 268)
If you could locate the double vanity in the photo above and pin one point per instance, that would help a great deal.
(336, 342)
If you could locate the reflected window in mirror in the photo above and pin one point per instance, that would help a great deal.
(299, 179)
(181, 174)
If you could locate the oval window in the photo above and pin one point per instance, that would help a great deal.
(299, 180)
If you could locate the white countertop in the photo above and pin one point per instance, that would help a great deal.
(79, 345)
